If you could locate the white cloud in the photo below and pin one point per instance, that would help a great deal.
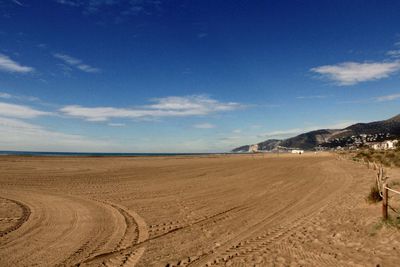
(77, 63)
(114, 124)
(19, 97)
(162, 107)
(204, 126)
(387, 97)
(105, 113)
(16, 134)
(20, 111)
(284, 132)
(5, 95)
(17, 124)
(349, 73)
(87, 68)
(393, 53)
(9, 65)
(199, 104)
(67, 59)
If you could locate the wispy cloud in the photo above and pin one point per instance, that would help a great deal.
(383, 98)
(313, 97)
(115, 124)
(17, 124)
(265, 105)
(295, 131)
(5, 95)
(18, 134)
(121, 8)
(286, 132)
(77, 63)
(204, 126)
(233, 139)
(17, 2)
(69, 2)
(173, 106)
(202, 35)
(387, 98)
(18, 97)
(394, 53)
(20, 111)
(41, 46)
(9, 65)
(350, 73)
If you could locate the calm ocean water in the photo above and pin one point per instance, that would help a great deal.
(34, 153)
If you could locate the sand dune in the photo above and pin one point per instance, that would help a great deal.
(290, 210)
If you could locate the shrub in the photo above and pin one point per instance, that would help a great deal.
(374, 196)
(387, 158)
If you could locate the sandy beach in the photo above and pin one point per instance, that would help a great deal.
(235, 210)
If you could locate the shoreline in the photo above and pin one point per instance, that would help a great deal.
(100, 154)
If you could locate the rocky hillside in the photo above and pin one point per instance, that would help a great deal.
(373, 131)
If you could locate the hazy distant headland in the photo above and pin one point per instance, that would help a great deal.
(352, 137)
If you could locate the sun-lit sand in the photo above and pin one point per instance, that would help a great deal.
(234, 210)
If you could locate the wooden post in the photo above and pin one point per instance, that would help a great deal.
(385, 202)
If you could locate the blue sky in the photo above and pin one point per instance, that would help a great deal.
(191, 76)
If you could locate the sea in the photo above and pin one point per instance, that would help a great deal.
(98, 154)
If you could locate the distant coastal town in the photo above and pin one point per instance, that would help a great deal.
(379, 141)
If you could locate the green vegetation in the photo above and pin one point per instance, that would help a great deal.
(390, 222)
(393, 222)
(385, 157)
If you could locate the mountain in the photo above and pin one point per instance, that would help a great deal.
(240, 149)
(391, 125)
(269, 144)
(356, 134)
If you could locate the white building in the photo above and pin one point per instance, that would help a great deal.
(385, 145)
(297, 151)
(376, 146)
(390, 144)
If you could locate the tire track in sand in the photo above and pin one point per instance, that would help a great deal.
(26, 212)
(136, 231)
(59, 224)
(264, 236)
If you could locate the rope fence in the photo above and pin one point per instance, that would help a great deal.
(381, 182)
(384, 189)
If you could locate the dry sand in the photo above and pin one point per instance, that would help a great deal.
(291, 210)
